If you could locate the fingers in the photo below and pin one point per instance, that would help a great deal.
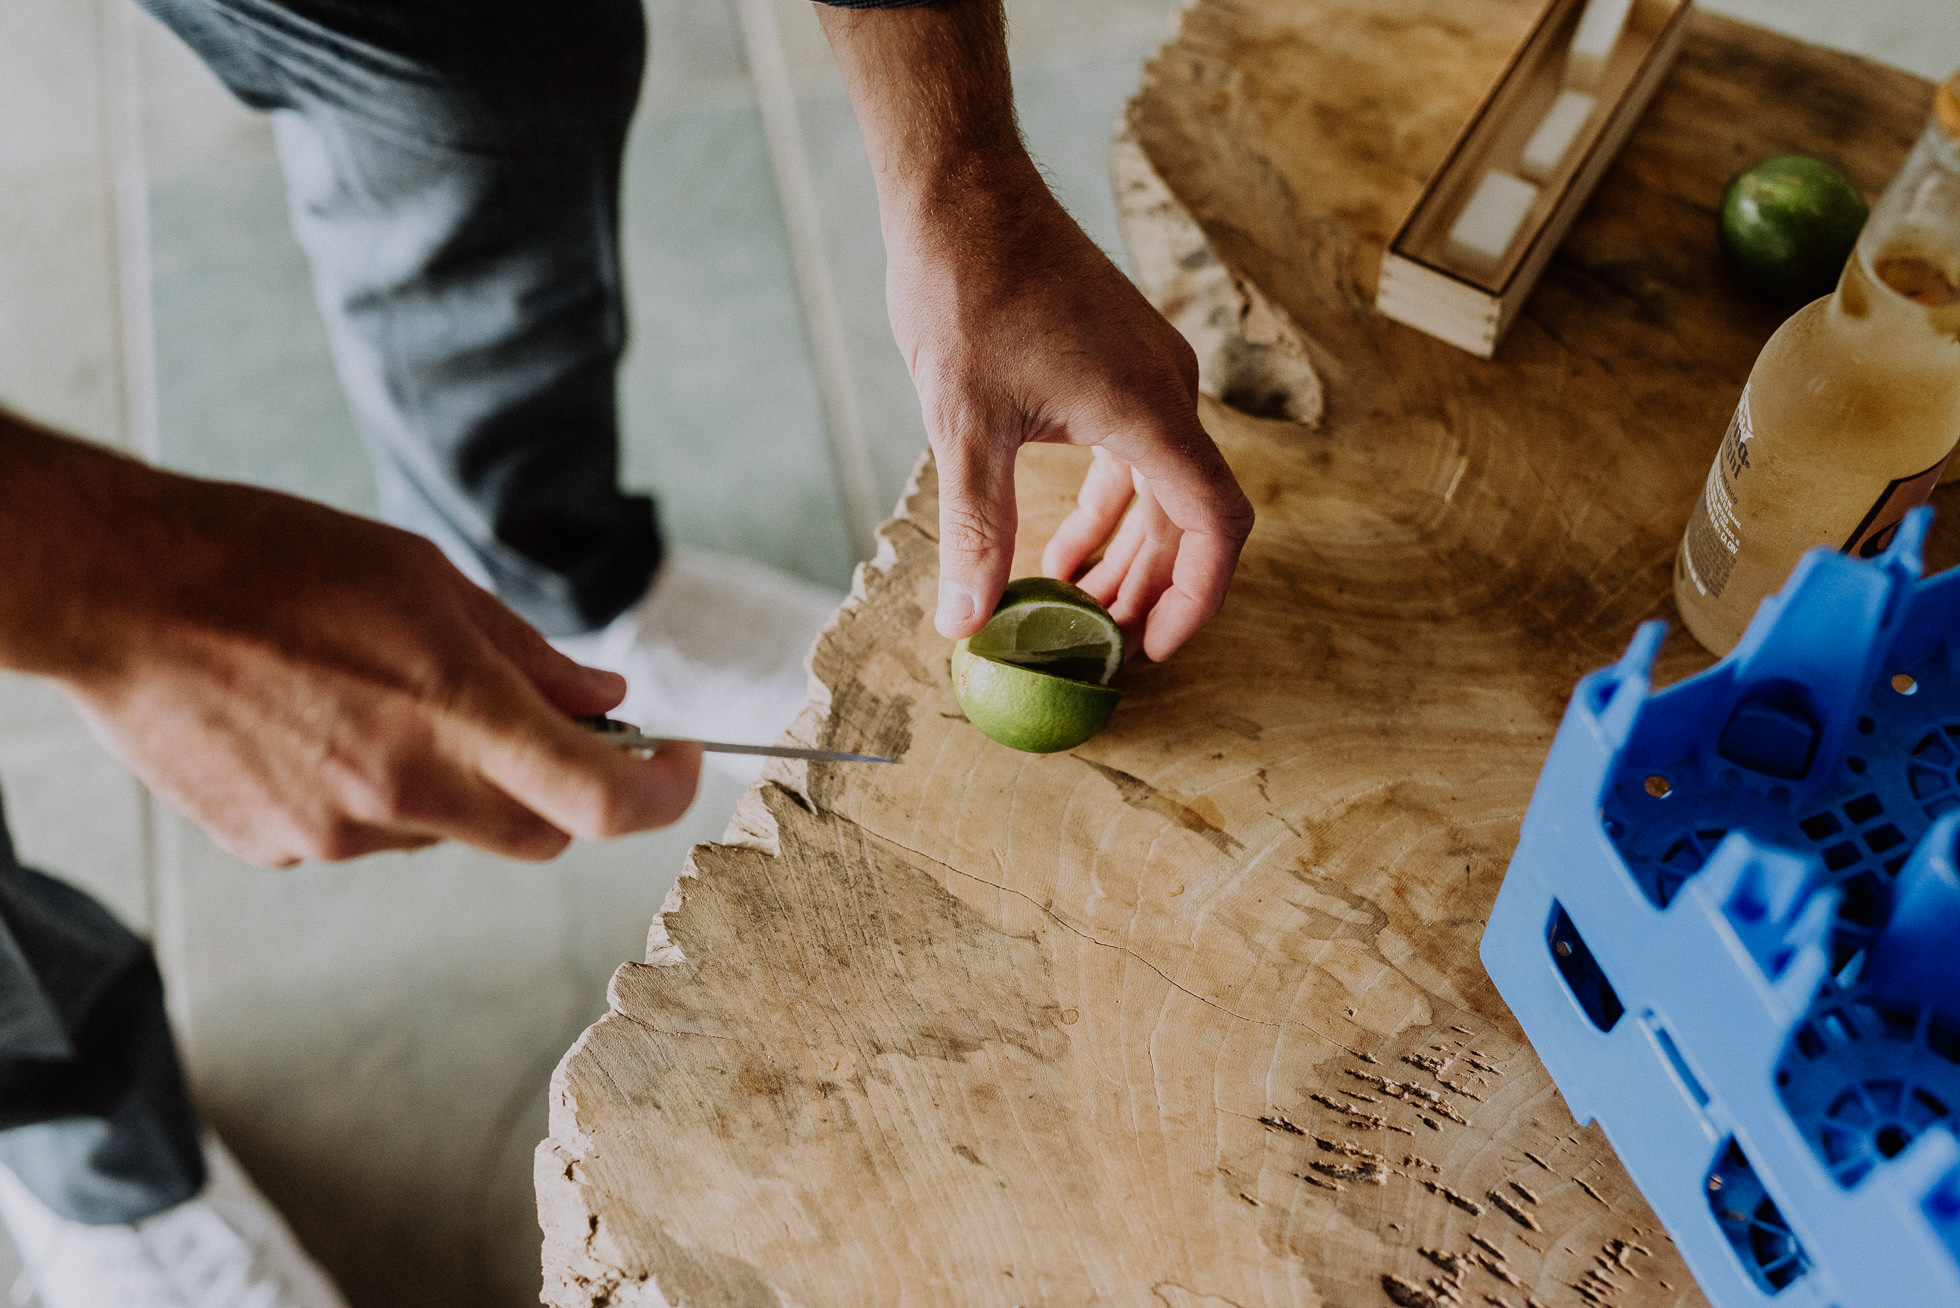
(457, 804)
(977, 519)
(581, 784)
(539, 778)
(1162, 577)
(1143, 553)
(1191, 485)
(1106, 492)
(567, 685)
(1203, 569)
(558, 776)
(520, 806)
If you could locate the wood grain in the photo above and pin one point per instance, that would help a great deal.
(1192, 1015)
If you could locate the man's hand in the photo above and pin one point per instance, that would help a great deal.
(1017, 328)
(302, 683)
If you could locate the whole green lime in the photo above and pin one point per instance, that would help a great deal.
(1789, 224)
(1036, 677)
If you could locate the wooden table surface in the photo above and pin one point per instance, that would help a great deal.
(1192, 1015)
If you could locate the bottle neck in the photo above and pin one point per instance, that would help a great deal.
(1911, 243)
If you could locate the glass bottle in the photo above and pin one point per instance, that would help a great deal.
(1851, 410)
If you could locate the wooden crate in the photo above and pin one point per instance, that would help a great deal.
(1422, 283)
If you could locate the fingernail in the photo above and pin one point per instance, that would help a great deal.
(956, 608)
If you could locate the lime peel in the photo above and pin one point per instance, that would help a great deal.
(1789, 223)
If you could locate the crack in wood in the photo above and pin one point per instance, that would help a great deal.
(1465, 1202)
(1436, 1067)
(1410, 1093)
(1357, 1118)
(1407, 1294)
(1509, 1207)
(1363, 1172)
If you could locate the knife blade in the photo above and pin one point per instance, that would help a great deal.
(627, 736)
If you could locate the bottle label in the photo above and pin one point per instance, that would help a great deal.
(1894, 502)
(1714, 534)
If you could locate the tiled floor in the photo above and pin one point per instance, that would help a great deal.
(375, 1039)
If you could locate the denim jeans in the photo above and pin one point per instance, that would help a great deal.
(94, 1117)
(452, 172)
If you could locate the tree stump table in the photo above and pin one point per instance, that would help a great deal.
(1192, 1015)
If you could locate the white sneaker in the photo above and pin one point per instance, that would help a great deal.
(227, 1248)
(714, 650)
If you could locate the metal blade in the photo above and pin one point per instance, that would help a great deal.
(627, 736)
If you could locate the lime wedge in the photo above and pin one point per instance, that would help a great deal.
(1053, 627)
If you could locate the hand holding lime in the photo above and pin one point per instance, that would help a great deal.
(1789, 223)
(1036, 677)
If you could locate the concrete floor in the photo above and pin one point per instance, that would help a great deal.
(375, 1040)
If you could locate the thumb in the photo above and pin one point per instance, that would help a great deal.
(571, 687)
(977, 519)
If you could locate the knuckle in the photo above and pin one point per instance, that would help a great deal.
(1239, 516)
(336, 841)
(967, 533)
(393, 796)
(1184, 359)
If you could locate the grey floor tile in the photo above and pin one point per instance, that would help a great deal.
(30, 706)
(847, 205)
(190, 122)
(245, 383)
(694, 55)
(375, 1041)
(77, 815)
(1036, 27)
(1069, 98)
(12, 1281)
(50, 82)
(806, 52)
(60, 342)
(720, 407)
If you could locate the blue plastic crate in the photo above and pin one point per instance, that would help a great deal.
(1732, 932)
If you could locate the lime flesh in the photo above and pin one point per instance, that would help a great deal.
(1789, 223)
(1035, 678)
(1052, 627)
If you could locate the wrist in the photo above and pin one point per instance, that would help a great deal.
(961, 198)
(77, 525)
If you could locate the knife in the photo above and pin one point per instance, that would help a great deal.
(627, 736)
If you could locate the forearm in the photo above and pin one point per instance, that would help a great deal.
(935, 103)
(70, 518)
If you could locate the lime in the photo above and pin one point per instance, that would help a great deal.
(1789, 224)
(1036, 677)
